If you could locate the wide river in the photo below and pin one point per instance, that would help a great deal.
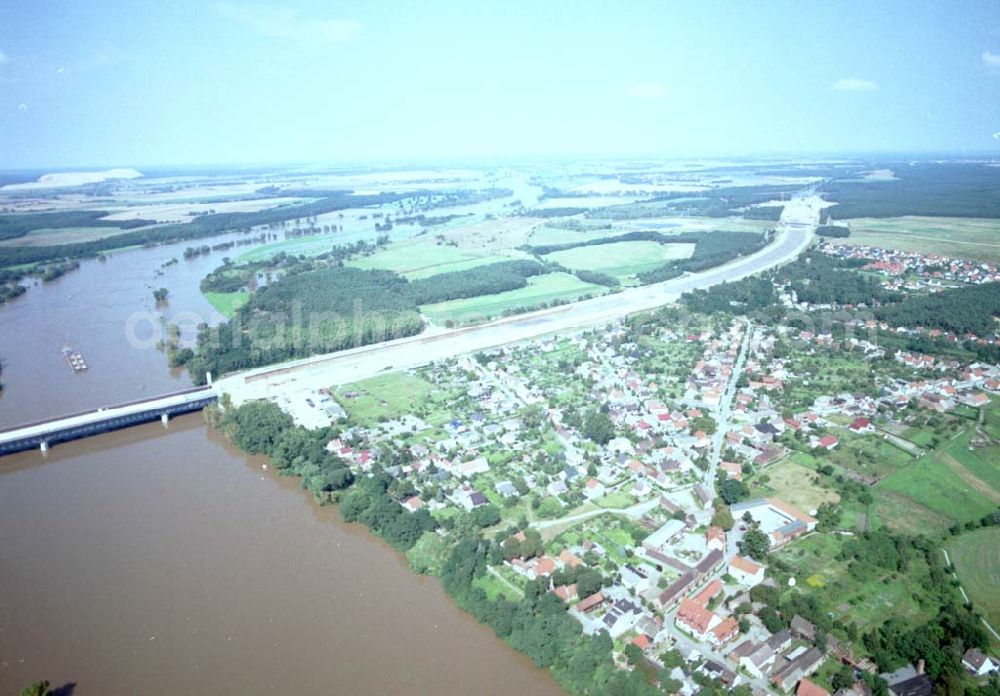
(153, 561)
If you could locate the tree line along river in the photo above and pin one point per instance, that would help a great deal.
(154, 562)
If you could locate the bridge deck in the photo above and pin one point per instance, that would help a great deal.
(88, 422)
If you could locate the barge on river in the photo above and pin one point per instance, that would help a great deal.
(74, 360)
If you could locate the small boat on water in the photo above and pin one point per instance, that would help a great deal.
(74, 359)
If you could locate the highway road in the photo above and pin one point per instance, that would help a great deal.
(795, 231)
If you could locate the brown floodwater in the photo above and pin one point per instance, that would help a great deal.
(152, 562)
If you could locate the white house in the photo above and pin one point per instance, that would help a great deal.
(978, 663)
(635, 579)
(593, 489)
(746, 571)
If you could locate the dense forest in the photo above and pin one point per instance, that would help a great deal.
(728, 201)
(972, 309)
(321, 306)
(949, 189)
(19, 225)
(313, 311)
(743, 296)
(483, 280)
(554, 212)
(818, 278)
(712, 249)
(597, 278)
(771, 213)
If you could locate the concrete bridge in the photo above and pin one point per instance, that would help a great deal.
(44, 433)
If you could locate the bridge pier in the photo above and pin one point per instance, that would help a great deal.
(165, 419)
(44, 447)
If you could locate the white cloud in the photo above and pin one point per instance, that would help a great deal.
(647, 90)
(853, 84)
(286, 23)
(991, 59)
(3, 57)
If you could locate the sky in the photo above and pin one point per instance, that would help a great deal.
(90, 83)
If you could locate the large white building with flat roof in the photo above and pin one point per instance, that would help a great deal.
(776, 518)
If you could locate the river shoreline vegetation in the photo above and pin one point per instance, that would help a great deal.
(537, 625)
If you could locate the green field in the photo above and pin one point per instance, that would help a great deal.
(948, 486)
(983, 464)
(226, 303)
(540, 290)
(386, 397)
(866, 600)
(991, 423)
(423, 258)
(495, 587)
(544, 236)
(615, 500)
(62, 235)
(792, 481)
(868, 455)
(309, 245)
(972, 238)
(976, 556)
(621, 259)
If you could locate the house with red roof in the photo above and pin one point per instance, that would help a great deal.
(746, 571)
(733, 470)
(862, 425)
(588, 604)
(710, 592)
(808, 688)
(695, 618)
(725, 631)
(566, 593)
(715, 538)
(642, 642)
(827, 442)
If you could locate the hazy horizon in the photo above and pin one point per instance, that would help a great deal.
(84, 85)
(737, 159)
